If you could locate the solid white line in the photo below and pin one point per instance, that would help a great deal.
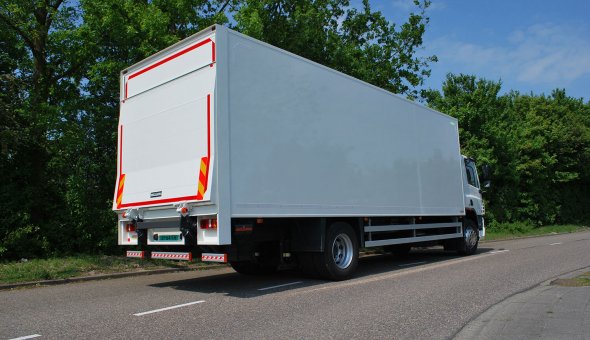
(499, 251)
(556, 243)
(27, 337)
(168, 308)
(279, 286)
(411, 264)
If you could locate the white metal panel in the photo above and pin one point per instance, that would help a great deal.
(166, 132)
(199, 54)
(309, 141)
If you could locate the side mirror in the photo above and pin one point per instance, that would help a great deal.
(486, 175)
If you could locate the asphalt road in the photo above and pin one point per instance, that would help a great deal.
(429, 294)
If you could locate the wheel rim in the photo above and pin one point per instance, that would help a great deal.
(470, 237)
(342, 251)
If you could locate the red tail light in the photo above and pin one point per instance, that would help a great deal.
(209, 223)
(130, 228)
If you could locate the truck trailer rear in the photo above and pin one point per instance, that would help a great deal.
(233, 150)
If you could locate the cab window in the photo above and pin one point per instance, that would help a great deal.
(471, 174)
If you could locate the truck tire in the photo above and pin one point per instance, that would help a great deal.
(341, 252)
(468, 243)
(252, 268)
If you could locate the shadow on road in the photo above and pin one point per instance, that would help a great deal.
(248, 286)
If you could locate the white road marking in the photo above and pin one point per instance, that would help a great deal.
(389, 276)
(411, 264)
(556, 243)
(279, 286)
(499, 251)
(168, 308)
(27, 337)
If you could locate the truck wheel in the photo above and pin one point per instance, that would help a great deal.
(340, 257)
(468, 243)
(252, 268)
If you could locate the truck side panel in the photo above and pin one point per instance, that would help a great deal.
(309, 141)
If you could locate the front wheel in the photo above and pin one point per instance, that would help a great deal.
(468, 243)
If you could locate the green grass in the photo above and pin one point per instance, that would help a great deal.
(82, 265)
(515, 230)
(579, 281)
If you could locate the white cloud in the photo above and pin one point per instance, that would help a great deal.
(539, 54)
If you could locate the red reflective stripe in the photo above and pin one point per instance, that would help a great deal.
(213, 52)
(138, 254)
(204, 177)
(121, 150)
(208, 129)
(174, 56)
(214, 257)
(185, 256)
(166, 200)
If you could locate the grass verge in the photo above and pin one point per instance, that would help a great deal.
(82, 265)
(579, 281)
(515, 230)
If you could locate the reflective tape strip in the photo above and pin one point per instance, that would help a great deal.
(204, 166)
(207, 257)
(172, 256)
(120, 190)
(137, 254)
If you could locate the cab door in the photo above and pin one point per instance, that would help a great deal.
(473, 198)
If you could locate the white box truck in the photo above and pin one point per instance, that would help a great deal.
(237, 151)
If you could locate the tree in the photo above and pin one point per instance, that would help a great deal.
(538, 146)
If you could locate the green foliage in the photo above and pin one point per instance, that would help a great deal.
(499, 231)
(539, 147)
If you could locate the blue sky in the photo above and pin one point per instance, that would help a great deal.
(532, 46)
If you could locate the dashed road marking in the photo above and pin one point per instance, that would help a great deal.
(168, 308)
(389, 276)
(279, 286)
(556, 243)
(499, 251)
(27, 337)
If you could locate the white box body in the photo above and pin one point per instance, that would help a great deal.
(282, 137)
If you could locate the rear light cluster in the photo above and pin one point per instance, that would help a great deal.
(208, 223)
(129, 228)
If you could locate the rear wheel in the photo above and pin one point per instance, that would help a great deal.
(468, 243)
(340, 257)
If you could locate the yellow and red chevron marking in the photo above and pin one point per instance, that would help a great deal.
(120, 190)
(203, 176)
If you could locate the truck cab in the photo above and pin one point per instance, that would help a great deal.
(472, 187)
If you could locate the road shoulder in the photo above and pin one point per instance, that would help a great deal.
(544, 312)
